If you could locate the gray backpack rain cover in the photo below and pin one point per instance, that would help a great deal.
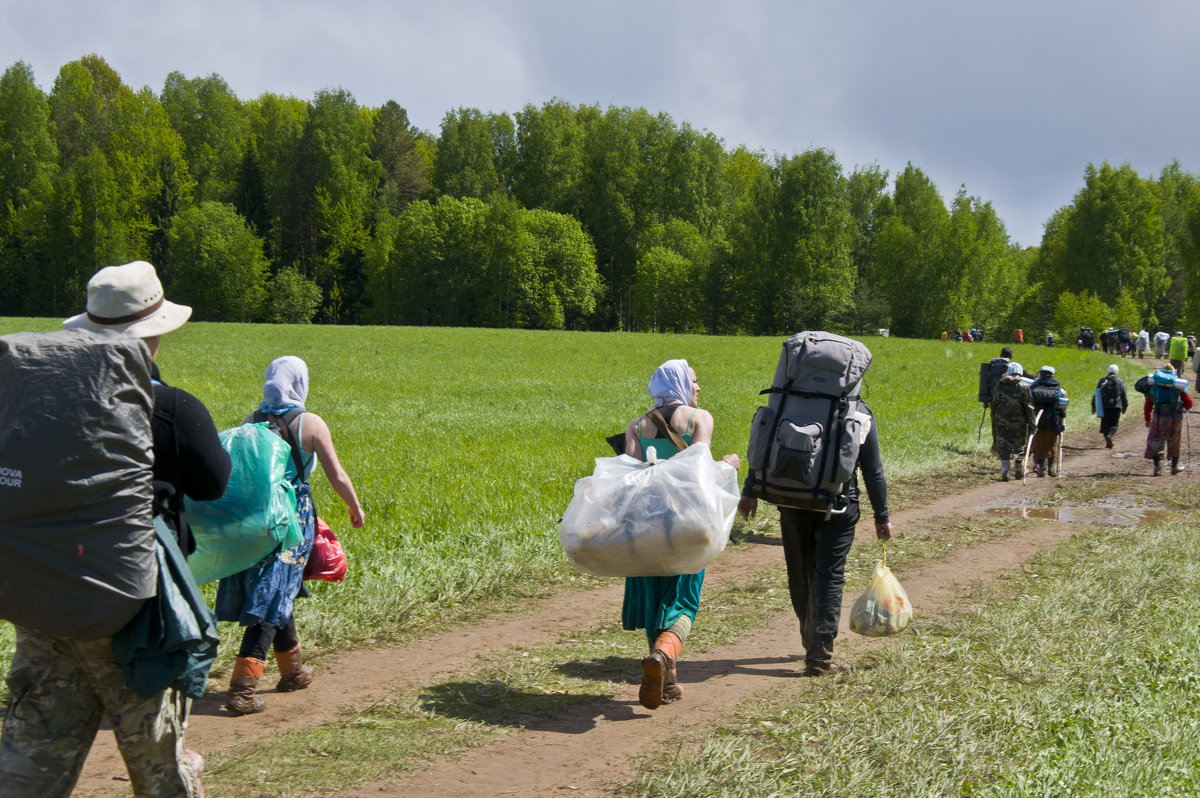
(77, 547)
(804, 443)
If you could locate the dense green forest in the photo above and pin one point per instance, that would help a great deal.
(557, 216)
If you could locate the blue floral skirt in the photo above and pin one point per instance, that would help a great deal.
(267, 591)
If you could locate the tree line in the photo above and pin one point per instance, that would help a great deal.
(558, 216)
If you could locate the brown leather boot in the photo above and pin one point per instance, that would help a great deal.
(654, 669)
(671, 689)
(242, 684)
(293, 673)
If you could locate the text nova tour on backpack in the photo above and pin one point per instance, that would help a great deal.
(804, 443)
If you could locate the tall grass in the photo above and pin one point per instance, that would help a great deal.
(464, 444)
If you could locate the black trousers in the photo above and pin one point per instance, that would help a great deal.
(815, 551)
(1109, 421)
(257, 639)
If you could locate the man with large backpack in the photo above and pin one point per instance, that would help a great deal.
(1142, 343)
(806, 447)
(1177, 352)
(991, 373)
(1166, 401)
(1012, 421)
(1161, 341)
(109, 455)
(1050, 408)
(1110, 403)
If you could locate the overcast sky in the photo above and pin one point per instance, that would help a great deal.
(1011, 99)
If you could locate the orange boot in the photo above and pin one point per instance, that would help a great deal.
(658, 669)
(242, 684)
(293, 673)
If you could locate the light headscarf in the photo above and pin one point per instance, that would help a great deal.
(672, 382)
(1015, 368)
(286, 385)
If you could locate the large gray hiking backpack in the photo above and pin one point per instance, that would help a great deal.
(77, 546)
(804, 443)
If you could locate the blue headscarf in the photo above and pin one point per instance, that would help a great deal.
(672, 382)
(286, 385)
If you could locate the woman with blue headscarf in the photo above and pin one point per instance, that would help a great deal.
(262, 598)
(666, 606)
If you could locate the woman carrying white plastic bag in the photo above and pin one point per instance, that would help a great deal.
(666, 606)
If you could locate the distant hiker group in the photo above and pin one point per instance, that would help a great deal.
(1028, 411)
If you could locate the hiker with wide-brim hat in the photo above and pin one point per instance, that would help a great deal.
(60, 686)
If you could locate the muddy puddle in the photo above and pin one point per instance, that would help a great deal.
(1109, 516)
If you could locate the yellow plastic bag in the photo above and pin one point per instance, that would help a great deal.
(883, 608)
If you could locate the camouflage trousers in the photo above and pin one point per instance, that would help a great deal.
(60, 689)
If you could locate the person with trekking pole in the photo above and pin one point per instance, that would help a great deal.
(990, 374)
(1049, 398)
(1164, 410)
(1012, 420)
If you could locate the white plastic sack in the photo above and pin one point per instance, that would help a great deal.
(662, 518)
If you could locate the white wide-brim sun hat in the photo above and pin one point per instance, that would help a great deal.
(128, 299)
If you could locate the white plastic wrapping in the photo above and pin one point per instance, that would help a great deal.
(662, 518)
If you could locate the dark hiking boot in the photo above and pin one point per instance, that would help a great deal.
(1108, 444)
(1019, 470)
(817, 668)
(671, 689)
(1052, 467)
(654, 670)
(293, 673)
(242, 685)
(1157, 467)
(1175, 469)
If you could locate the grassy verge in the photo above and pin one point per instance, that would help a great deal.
(1075, 676)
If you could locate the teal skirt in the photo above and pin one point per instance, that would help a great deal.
(654, 603)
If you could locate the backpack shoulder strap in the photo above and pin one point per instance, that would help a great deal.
(665, 429)
(284, 430)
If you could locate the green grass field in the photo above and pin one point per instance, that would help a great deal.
(1076, 676)
(465, 444)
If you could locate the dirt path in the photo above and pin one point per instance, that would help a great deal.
(589, 748)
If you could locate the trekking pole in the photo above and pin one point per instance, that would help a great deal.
(1187, 425)
(1061, 455)
(1028, 446)
(979, 437)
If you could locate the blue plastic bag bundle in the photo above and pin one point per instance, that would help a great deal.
(256, 515)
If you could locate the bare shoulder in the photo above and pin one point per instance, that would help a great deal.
(701, 422)
(313, 428)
